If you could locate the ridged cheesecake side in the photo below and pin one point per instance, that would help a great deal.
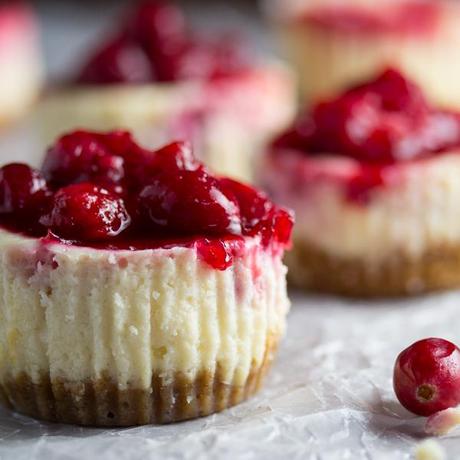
(404, 239)
(104, 337)
(330, 61)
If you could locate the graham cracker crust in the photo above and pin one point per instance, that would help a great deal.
(398, 275)
(101, 403)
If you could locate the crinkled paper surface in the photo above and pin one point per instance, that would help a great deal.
(329, 396)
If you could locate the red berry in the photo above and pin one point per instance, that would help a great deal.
(118, 142)
(86, 212)
(159, 27)
(427, 376)
(21, 188)
(24, 197)
(106, 183)
(259, 215)
(207, 59)
(177, 156)
(215, 253)
(83, 156)
(384, 121)
(359, 125)
(154, 44)
(189, 202)
(157, 24)
(254, 205)
(141, 165)
(283, 223)
(120, 61)
(396, 93)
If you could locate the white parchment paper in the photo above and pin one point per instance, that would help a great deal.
(329, 396)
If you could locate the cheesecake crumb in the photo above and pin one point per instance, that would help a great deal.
(133, 330)
(443, 422)
(430, 449)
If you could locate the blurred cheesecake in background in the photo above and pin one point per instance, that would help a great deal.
(373, 177)
(20, 61)
(334, 43)
(160, 80)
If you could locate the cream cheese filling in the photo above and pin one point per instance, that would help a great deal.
(418, 211)
(82, 314)
(329, 61)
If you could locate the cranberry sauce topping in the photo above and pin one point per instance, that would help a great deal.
(88, 211)
(24, 196)
(105, 191)
(381, 123)
(154, 43)
(406, 16)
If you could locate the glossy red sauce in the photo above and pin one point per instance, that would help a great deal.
(105, 191)
(378, 124)
(154, 43)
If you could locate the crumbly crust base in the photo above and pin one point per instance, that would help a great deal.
(171, 398)
(312, 268)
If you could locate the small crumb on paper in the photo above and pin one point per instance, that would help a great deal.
(443, 422)
(429, 450)
(133, 330)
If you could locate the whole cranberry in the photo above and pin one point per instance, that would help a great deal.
(189, 202)
(177, 156)
(202, 58)
(158, 23)
(22, 189)
(283, 223)
(82, 156)
(427, 376)
(118, 142)
(259, 215)
(355, 125)
(254, 205)
(299, 137)
(216, 253)
(122, 60)
(142, 165)
(160, 28)
(395, 93)
(381, 122)
(85, 212)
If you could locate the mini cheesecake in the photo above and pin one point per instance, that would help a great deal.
(20, 63)
(135, 286)
(159, 80)
(373, 179)
(335, 44)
